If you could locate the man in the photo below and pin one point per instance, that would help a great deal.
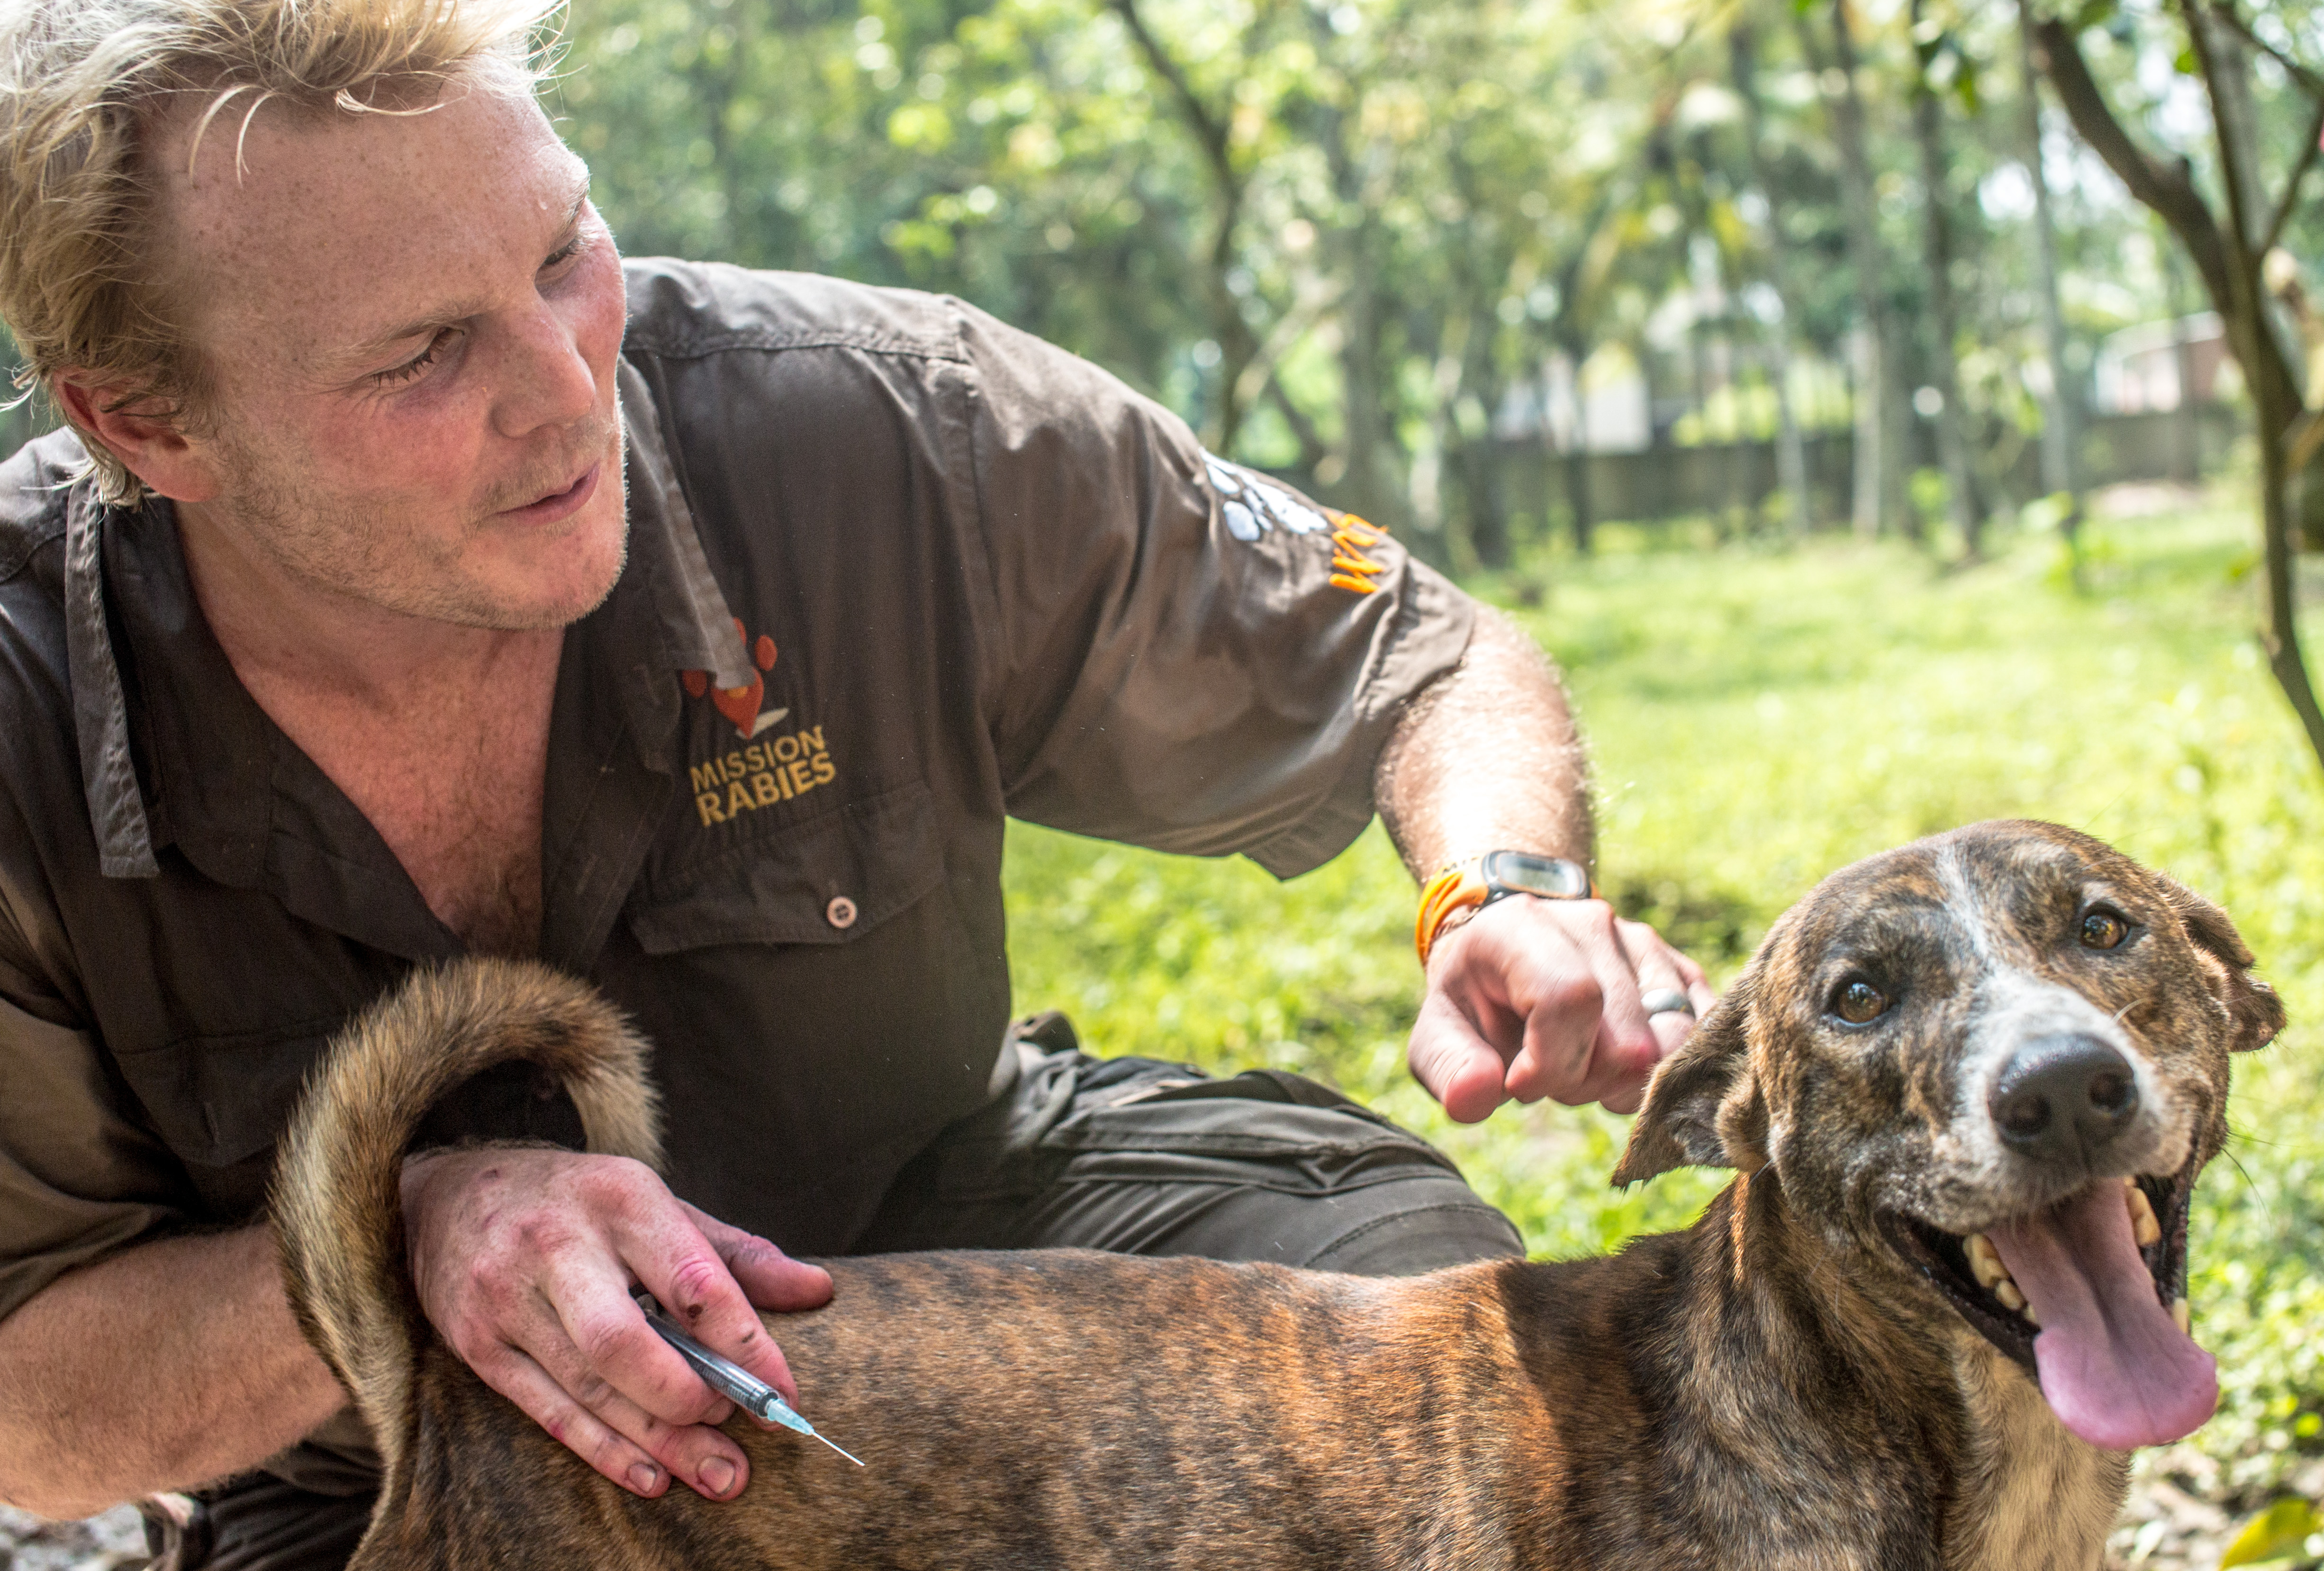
(383, 604)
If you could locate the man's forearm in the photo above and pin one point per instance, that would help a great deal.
(166, 1366)
(1487, 759)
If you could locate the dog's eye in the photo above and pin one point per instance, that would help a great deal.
(2103, 928)
(1858, 1002)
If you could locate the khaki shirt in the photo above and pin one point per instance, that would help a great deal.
(973, 576)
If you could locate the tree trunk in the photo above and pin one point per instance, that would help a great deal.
(1882, 456)
(1867, 373)
(1944, 318)
(1476, 461)
(2186, 421)
(1578, 505)
(1791, 449)
(2062, 406)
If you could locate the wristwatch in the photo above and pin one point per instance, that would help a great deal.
(1465, 888)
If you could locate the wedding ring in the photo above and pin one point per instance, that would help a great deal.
(1665, 1001)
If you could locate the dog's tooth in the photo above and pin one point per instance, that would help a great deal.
(2143, 1225)
(2010, 1298)
(1984, 1261)
(2180, 1317)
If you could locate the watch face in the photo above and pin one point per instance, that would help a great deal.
(1552, 877)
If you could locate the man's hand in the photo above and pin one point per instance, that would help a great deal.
(524, 1259)
(1533, 998)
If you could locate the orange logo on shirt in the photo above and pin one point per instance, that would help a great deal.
(1351, 568)
(739, 705)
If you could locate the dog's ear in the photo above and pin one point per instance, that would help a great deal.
(1703, 1106)
(2254, 1012)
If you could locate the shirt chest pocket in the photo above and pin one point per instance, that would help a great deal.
(823, 879)
(219, 1102)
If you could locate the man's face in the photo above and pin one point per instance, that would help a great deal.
(411, 325)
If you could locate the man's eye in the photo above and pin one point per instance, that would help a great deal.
(418, 363)
(1858, 1003)
(2103, 928)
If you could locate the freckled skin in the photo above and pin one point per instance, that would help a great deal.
(1774, 1388)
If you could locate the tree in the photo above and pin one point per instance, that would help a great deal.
(1932, 47)
(1881, 429)
(2229, 247)
(2062, 407)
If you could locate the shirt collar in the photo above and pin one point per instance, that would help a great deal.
(211, 753)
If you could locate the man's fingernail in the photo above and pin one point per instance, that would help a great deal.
(718, 1475)
(643, 1478)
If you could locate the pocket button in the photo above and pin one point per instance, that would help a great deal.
(840, 912)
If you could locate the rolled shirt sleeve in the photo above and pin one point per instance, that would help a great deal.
(78, 1179)
(1191, 656)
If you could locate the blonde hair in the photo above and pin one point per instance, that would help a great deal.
(83, 85)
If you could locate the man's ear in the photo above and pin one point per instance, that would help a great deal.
(1703, 1106)
(2253, 1009)
(149, 444)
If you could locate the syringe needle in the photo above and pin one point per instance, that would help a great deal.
(841, 1449)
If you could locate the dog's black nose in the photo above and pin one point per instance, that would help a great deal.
(2063, 1099)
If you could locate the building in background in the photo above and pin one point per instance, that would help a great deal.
(2156, 366)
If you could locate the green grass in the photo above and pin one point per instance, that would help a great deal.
(1758, 718)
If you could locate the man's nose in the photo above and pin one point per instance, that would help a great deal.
(2063, 1099)
(549, 380)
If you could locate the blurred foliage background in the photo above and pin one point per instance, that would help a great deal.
(1366, 243)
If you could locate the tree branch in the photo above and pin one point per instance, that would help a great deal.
(2309, 81)
(1313, 449)
(2232, 133)
(2166, 187)
(2292, 184)
(1209, 131)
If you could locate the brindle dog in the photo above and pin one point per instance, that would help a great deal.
(1978, 1073)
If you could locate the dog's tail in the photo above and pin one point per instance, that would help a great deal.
(337, 1200)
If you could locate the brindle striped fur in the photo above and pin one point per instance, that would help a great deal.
(1766, 1391)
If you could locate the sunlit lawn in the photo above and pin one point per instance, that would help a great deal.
(1759, 716)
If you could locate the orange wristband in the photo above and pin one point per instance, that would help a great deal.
(1476, 882)
(1459, 888)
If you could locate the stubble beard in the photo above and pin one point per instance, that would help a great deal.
(350, 551)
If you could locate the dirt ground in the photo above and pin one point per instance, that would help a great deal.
(111, 1542)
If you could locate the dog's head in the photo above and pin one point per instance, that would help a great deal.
(1987, 1068)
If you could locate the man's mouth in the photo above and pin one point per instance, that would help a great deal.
(552, 505)
(2089, 1295)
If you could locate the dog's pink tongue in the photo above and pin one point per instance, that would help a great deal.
(2116, 1369)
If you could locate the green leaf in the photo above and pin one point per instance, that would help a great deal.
(2277, 1532)
(1965, 86)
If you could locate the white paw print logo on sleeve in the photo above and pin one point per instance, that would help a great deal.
(1249, 507)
